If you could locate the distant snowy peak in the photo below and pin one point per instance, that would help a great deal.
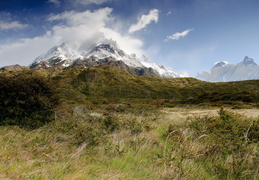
(247, 62)
(222, 71)
(65, 55)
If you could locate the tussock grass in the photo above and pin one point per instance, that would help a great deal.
(134, 144)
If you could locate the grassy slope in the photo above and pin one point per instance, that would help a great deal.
(109, 127)
(108, 84)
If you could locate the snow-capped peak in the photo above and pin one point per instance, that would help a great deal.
(222, 71)
(247, 62)
(221, 63)
(65, 55)
(112, 50)
(64, 51)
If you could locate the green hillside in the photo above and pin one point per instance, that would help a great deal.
(109, 84)
(104, 123)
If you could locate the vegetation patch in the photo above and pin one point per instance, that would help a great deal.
(26, 101)
(104, 123)
(223, 146)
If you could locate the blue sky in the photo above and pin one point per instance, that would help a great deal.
(185, 35)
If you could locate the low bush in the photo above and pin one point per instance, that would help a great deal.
(26, 101)
(227, 128)
(224, 145)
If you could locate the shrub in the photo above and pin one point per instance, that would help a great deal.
(26, 101)
(230, 137)
(224, 145)
(229, 127)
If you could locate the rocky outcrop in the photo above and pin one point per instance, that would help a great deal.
(16, 67)
(53, 63)
(109, 61)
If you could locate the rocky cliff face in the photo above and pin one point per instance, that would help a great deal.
(109, 61)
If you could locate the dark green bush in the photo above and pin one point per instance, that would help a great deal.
(26, 101)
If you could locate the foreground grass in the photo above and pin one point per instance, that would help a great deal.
(126, 142)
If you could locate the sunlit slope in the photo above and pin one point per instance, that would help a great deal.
(111, 83)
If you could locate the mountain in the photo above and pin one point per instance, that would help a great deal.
(108, 53)
(223, 71)
(57, 57)
(163, 71)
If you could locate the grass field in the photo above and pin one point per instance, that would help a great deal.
(136, 143)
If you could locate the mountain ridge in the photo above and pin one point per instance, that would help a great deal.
(107, 53)
(224, 72)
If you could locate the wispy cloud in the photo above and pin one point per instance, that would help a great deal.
(145, 20)
(74, 18)
(55, 2)
(178, 35)
(12, 25)
(86, 2)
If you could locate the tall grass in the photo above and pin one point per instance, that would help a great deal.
(222, 147)
(131, 142)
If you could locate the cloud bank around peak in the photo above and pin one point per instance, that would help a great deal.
(82, 29)
(145, 20)
(178, 35)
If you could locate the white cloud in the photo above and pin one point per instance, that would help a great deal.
(95, 19)
(24, 51)
(55, 2)
(145, 20)
(179, 35)
(128, 44)
(12, 25)
(87, 28)
(82, 29)
(86, 2)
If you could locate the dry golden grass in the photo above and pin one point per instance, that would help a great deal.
(139, 149)
(180, 114)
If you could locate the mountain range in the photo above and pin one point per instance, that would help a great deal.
(224, 72)
(108, 53)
